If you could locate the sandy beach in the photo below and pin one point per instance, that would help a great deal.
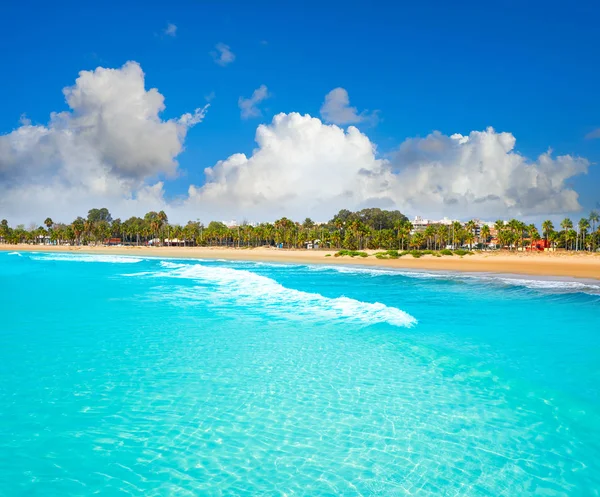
(574, 265)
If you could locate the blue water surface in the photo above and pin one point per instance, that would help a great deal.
(147, 377)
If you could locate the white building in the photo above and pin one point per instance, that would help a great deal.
(420, 224)
(234, 224)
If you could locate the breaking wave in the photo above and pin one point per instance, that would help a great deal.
(114, 259)
(540, 284)
(250, 289)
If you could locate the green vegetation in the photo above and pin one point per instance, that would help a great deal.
(394, 254)
(388, 254)
(390, 232)
(462, 252)
(351, 253)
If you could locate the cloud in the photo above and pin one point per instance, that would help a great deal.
(301, 167)
(481, 175)
(248, 106)
(305, 167)
(336, 109)
(113, 149)
(593, 134)
(170, 30)
(223, 54)
(105, 149)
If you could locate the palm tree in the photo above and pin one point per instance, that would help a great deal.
(485, 234)
(399, 226)
(583, 225)
(417, 240)
(88, 227)
(443, 234)
(500, 228)
(336, 239)
(566, 224)
(594, 218)
(534, 235)
(514, 227)
(163, 221)
(78, 228)
(554, 236)
(469, 238)
(355, 229)
(4, 230)
(570, 236)
(429, 234)
(470, 227)
(547, 228)
(456, 232)
(153, 222)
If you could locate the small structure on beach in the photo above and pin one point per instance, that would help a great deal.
(539, 246)
(170, 242)
(312, 244)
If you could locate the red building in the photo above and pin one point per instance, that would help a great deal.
(539, 246)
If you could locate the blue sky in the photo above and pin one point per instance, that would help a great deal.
(530, 69)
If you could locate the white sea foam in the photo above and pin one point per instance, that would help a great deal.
(114, 259)
(564, 286)
(352, 270)
(548, 285)
(247, 288)
(376, 271)
(15, 253)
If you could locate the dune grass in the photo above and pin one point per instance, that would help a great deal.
(350, 253)
(396, 254)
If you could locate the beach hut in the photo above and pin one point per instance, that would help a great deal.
(540, 246)
(312, 244)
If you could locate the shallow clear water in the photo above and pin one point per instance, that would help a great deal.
(131, 376)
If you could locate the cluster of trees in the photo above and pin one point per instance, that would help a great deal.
(583, 236)
(366, 229)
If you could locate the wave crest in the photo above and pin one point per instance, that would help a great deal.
(114, 259)
(546, 285)
(247, 288)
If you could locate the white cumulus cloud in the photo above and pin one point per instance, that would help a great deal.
(105, 149)
(223, 54)
(249, 106)
(305, 167)
(301, 167)
(482, 175)
(113, 149)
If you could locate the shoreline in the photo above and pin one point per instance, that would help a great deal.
(558, 264)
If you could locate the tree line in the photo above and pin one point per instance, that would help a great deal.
(365, 229)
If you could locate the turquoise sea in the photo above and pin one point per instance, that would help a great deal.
(147, 377)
